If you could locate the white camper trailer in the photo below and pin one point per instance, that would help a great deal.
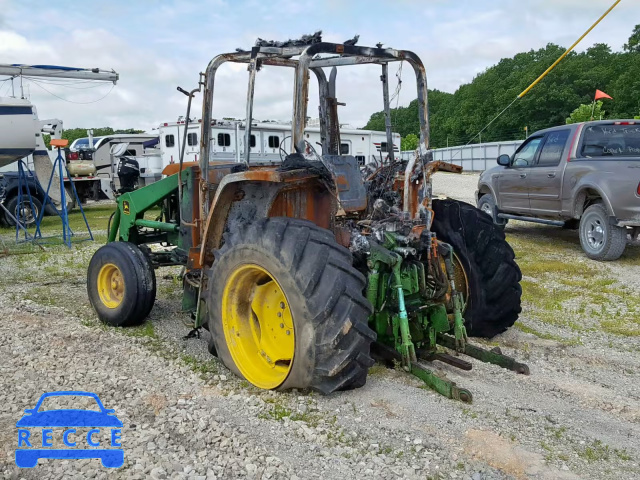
(267, 139)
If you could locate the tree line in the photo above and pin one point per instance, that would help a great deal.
(455, 118)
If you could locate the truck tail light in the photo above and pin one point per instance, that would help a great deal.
(638, 190)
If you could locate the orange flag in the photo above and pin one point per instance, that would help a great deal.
(600, 94)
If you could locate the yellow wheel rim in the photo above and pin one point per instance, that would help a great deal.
(462, 282)
(460, 277)
(258, 326)
(110, 285)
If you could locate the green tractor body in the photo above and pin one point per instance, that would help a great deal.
(306, 270)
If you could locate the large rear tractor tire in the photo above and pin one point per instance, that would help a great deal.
(286, 308)
(121, 284)
(493, 299)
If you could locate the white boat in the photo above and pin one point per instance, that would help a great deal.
(18, 129)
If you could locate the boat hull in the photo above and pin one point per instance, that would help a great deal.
(17, 130)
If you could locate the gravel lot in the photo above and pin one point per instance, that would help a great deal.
(185, 416)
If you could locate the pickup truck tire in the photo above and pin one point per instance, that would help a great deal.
(599, 239)
(493, 301)
(487, 204)
(12, 206)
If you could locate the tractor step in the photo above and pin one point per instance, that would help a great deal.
(494, 356)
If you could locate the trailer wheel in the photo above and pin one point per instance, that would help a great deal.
(120, 284)
(24, 213)
(286, 308)
(493, 299)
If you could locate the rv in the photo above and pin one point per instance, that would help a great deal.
(269, 141)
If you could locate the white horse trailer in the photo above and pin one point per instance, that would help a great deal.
(267, 142)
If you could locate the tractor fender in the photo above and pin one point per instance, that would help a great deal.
(261, 193)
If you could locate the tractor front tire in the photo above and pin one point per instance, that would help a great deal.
(286, 308)
(493, 300)
(121, 284)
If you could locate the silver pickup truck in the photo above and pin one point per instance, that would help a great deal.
(585, 176)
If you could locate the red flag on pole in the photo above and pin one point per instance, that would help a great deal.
(600, 94)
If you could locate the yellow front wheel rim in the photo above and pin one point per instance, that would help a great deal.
(110, 285)
(258, 326)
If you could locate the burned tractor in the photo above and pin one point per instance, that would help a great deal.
(304, 271)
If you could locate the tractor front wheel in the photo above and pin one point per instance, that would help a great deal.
(286, 310)
(492, 275)
(121, 284)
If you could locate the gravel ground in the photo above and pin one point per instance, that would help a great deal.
(185, 416)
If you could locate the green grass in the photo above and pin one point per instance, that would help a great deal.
(199, 366)
(559, 290)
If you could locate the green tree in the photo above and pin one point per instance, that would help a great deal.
(583, 113)
(72, 134)
(410, 142)
(633, 45)
(456, 118)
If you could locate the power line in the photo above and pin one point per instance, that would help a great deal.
(71, 101)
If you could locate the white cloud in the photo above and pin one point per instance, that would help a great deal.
(156, 46)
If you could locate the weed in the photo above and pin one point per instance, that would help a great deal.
(595, 452)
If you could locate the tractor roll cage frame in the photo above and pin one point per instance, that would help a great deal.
(308, 59)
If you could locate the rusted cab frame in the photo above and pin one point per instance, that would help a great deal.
(312, 58)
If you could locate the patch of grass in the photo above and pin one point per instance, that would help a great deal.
(622, 454)
(278, 411)
(199, 366)
(469, 413)
(557, 432)
(377, 370)
(547, 336)
(595, 452)
(616, 327)
(144, 330)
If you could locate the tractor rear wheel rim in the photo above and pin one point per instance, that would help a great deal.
(461, 279)
(110, 285)
(258, 326)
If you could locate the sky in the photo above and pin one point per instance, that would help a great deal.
(157, 45)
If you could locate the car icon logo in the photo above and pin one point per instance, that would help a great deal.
(97, 428)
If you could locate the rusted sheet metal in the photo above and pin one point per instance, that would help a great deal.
(308, 201)
(387, 111)
(323, 91)
(173, 168)
(257, 189)
(343, 235)
(441, 166)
